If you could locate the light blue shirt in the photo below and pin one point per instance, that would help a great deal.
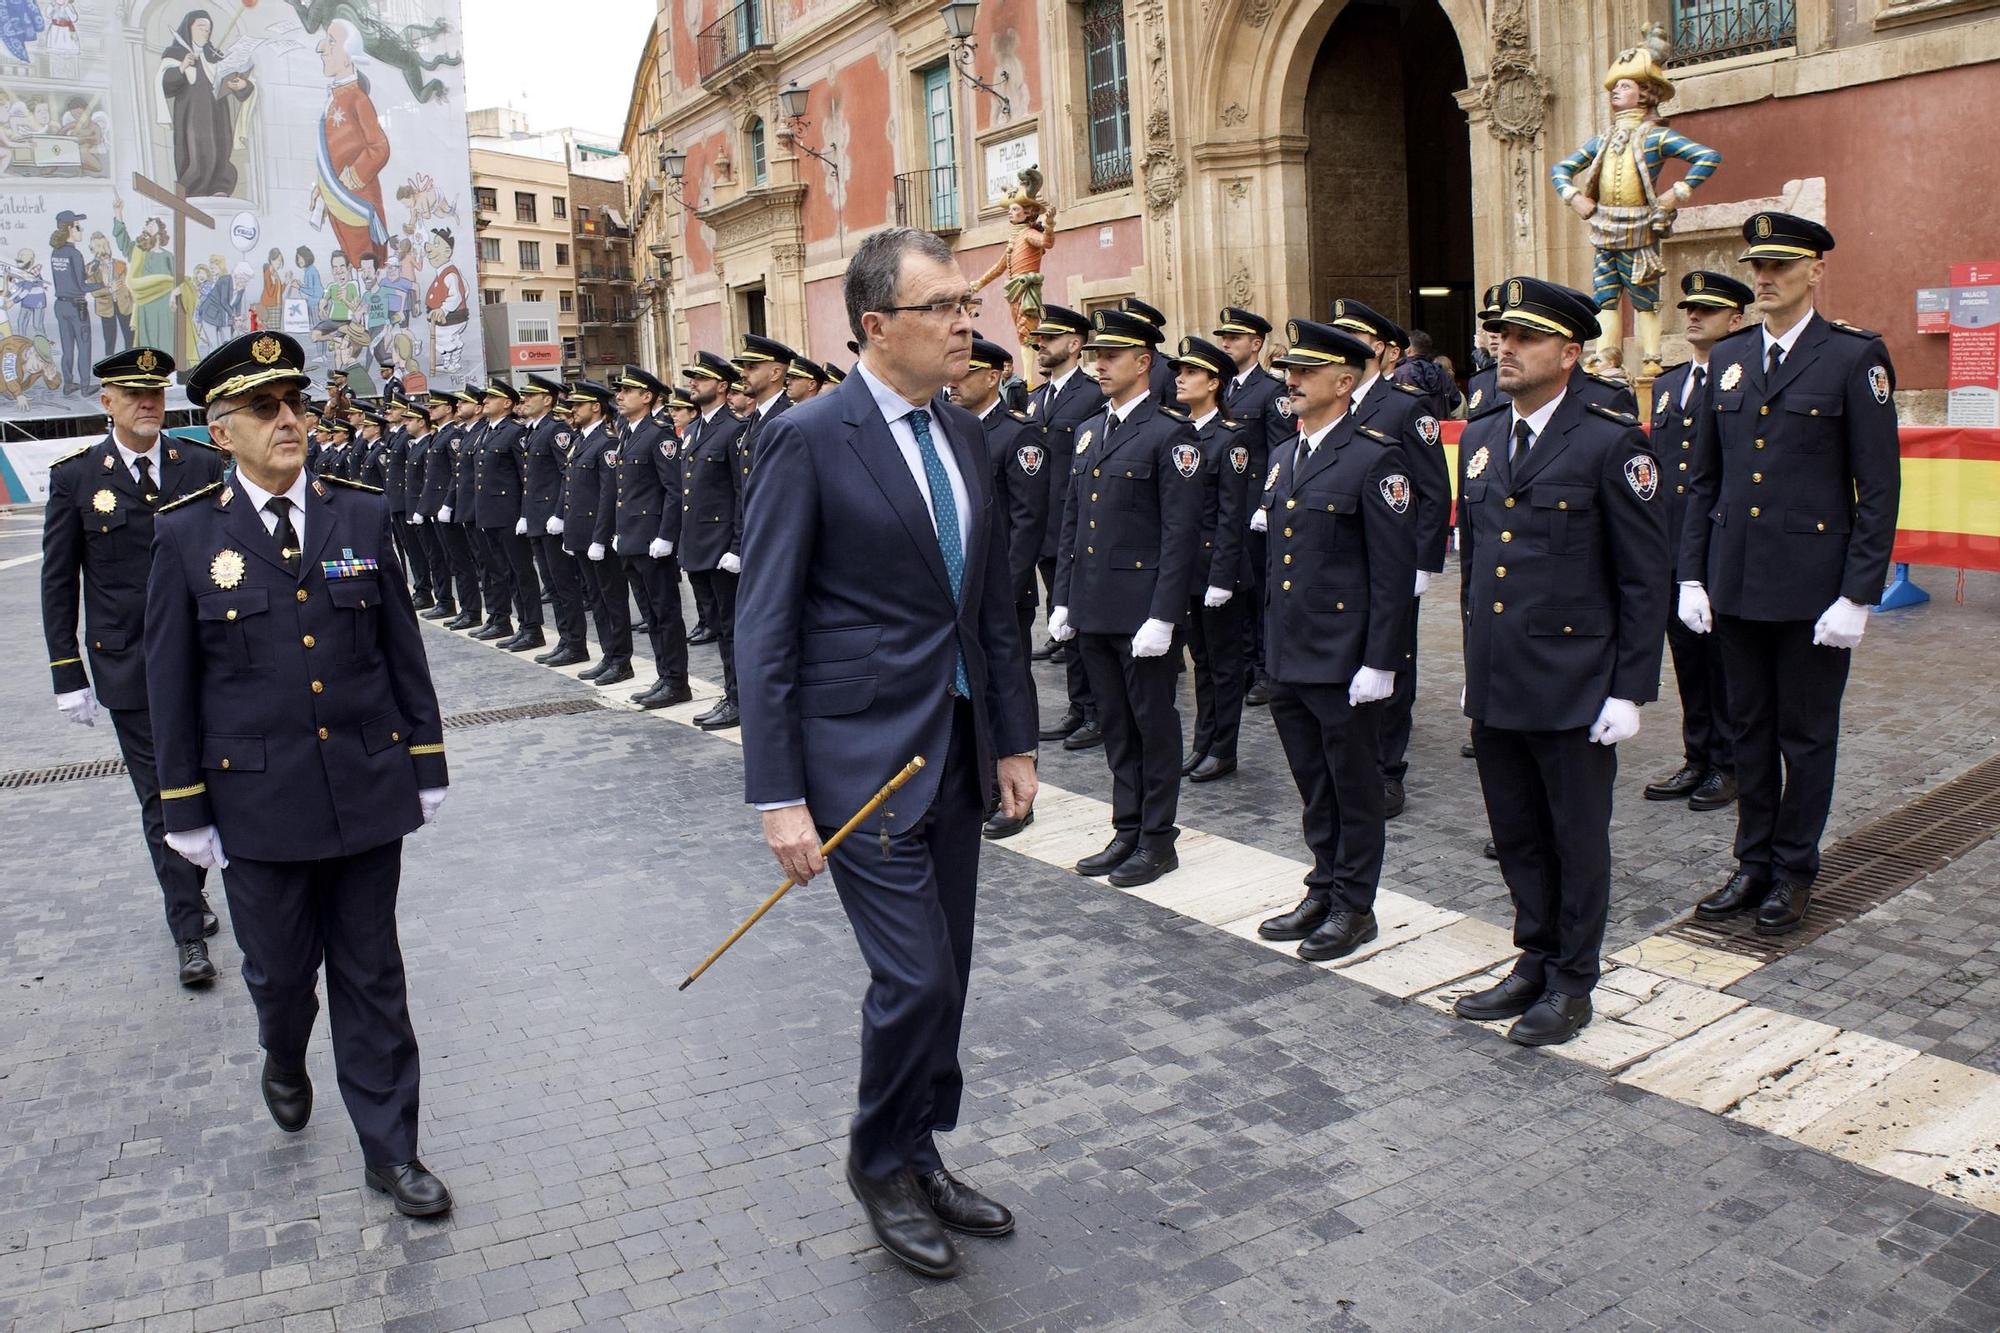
(896, 413)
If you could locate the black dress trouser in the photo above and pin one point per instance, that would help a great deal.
(180, 879)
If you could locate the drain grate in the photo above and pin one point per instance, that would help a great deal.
(1874, 863)
(484, 717)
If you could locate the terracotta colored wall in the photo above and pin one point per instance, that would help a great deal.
(705, 325)
(1903, 203)
(1009, 39)
(858, 121)
(826, 316)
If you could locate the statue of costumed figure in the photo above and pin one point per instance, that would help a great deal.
(1613, 183)
(1034, 222)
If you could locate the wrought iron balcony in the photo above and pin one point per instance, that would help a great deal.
(742, 30)
(929, 200)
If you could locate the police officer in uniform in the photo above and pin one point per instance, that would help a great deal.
(1222, 597)
(548, 444)
(1131, 539)
(502, 461)
(457, 581)
(1591, 388)
(396, 489)
(712, 519)
(1482, 387)
(458, 516)
(299, 741)
(681, 416)
(1713, 304)
(1256, 399)
(1063, 402)
(1160, 382)
(760, 367)
(1791, 516)
(1340, 516)
(435, 408)
(803, 380)
(97, 540)
(372, 466)
(639, 511)
(584, 486)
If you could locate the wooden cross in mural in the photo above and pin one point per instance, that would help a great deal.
(184, 212)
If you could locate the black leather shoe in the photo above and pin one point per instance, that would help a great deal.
(604, 664)
(463, 620)
(620, 672)
(903, 1222)
(531, 637)
(1717, 791)
(1086, 737)
(1110, 858)
(416, 1191)
(209, 925)
(668, 693)
(640, 696)
(1489, 851)
(493, 631)
(421, 604)
(1340, 935)
(1000, 826)
(1191, 761)
(1211, 768)
(196, 970)
(721, 719)
(288, 1093)
(562, 657)
(1685, 779)
(1298, 923)
(1048, 650)
(1143, 867)
(1258, 694)
(963, 1208)
(1784, 908)
(1553, 1020)
(1392, 797)
(702, 634)
(1510, 999)
(1063, 726)
(442, 611)
(1466, 751)
(1746, 889)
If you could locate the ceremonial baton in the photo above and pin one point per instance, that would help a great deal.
(825, 849)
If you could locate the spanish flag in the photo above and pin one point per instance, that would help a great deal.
(1950, 513)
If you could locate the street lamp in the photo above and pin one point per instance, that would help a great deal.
(792, 106)
(960, 17)
(673, 164)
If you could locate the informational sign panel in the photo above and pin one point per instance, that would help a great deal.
(1972, 361)
(1005, 160)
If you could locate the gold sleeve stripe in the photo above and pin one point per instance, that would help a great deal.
(67, 661)
(182, 793)
(427, 749)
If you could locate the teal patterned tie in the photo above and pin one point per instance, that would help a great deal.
(944, 511)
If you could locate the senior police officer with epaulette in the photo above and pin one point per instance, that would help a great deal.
(458, 516)
(1791, 516)
(1131, 540)
(584, 486)
(547, 446)
(1222, 597)
(1066, 399)
(1407, 415)
(712, 520)
(1713, 304)
(97, 540)
(1563, 553)
(1257, 400)
(1339, 513)
(299, 741)
(639, 519)
(502, 463)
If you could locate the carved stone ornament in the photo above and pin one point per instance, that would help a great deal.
(1239, 283)
(1256, 13)
(1509, 25)
(1515, 97)
(1234, 114)
(1163, 177)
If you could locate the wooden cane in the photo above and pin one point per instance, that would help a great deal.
(825, 849)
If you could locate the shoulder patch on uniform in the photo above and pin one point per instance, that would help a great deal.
(1613, 414)
(1239, 458)
(1642, 474)
(189, 498)
(1374, 434)
(1855, 329)
(1030, 457)
(77, 452)
(353, 485)
(1395, 490)
(1427, 429)
(1878, 382)
(1408, 388)
(1186, 458)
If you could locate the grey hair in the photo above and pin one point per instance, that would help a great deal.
(877, 267)
(215, 409)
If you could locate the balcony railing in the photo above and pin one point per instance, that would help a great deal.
(1718, 29)
(749, 26)
(929, 200)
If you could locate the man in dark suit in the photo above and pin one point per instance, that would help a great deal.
(501, 465)
(299, 741)
(548, 445)
(1255, 399)
(1713, 304)
(591, 406)
(857, 655)
(639, 519)
(1563, 549)
(1066, 398)
(712, 519)
(1791, 515)
(97, 539)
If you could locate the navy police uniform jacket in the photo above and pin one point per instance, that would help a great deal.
(1672, 433)
(711, 512)
(499, 466)
(1340, 557)
(395, 469)
(1261, 406)
(1796, 478)
(293, 711)
(583, 488)
(1563, 557)
(97, 530)
(1131, 529)
(1060, 416)
(1403, 412)
(440, 459)
(1487, 394)
(548, 442)
(1019, 467)
(640, 495)
(1226, 497)
(465, 471)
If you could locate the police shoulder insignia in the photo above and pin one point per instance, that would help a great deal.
(1409, 388)
(1187, 459)
(1427, 428)
(1021, 417)
(1473, 405)
(1283, 402)
(1083, 441)
(1029, 456)
(353, 485)
(1477, 463)
(1854, 329)
(1376, 435)
(104, 501)
(1173, 412)
(1613, 414)
(562, 439)
(1272, 480)
(77, 452)
(1731, 377)
(1239, 458)
(191, 496)
(667, 446)
(1642, 474)
(1878, 382)
(227, 568)
(1395, 490)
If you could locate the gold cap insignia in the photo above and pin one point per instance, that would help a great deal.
(226, 569)
(1291, 330)
(104, 502)
(1697, 283)
(1340, 308)
(147, 361)
(1097, 321)
(1514, 292)
(1763, 226)
(265, 350)
(1186, 346)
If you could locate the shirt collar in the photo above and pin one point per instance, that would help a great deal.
(1790, 340)
(1124, 413)
(126, 455)
(1207, 417)
(1056, 384)
(1314, 440)
(892, 405)
(991, 408)
(764, 408)
(1361, 390)
(259, 497)
(1539, 420)
(710, 415)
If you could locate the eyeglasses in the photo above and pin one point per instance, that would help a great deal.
(969, 306)
(266, 409)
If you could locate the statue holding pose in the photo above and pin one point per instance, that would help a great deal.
(1034, 222)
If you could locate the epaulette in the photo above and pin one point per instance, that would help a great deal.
(1021, 417)
(1374, 434)
(1497, 405)
(1853, 329)
(353, 485)
(77, 452)
(1227, 424)
(1613, 414)
(1407, 387)
(189, 498)
(1606, 380)
(1173, 412)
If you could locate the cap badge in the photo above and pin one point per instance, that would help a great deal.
(104, 502)
(1696, 283)
(1340, 309)
(147, 361)
(266, 350)
(1292, 330)
(226, 569)
(1514, 291)
(1763, 226)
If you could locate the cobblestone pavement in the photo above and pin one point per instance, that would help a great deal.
(1197, 1132)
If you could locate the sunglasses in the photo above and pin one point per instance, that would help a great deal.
(267, 409)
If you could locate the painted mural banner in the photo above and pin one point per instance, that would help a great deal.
(176, 172)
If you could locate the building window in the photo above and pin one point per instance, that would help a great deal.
(531, 294)
(484, 198)
(531, 254)
(760, 168)
(571, 356)
(491, 296)
(531, 331)
(1719, 29)
(942, 144)
(1107, 96)
(566, 302)
(558, 206)
(489, 249)
(562, 255)
(524, 206)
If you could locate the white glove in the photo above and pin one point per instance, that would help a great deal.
(1423, 581)
(1215, 597)
(1841, 625)
(201, 847)
(1370, 686)
(730, 564)
(614, 545)
(553, 527)
(444, 513)
(430, 798)
(1694, 609)
(1260, 522)
(1153, 639)
(1617, 721)
(415, 519)
(520, 527)
(596, 551)
(1059, 629)
(659, 548)
(79, 706)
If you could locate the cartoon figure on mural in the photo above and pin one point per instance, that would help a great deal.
(352, 149)
(60, 47)
(445, 303)
(72, 300)
(20, 23)
(27, 294)
(149, 276)
(110, 298)
(201, 92)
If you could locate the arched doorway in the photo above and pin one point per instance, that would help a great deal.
(1389, 170)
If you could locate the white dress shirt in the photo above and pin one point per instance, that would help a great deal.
(1785, 343)
(1361, 390)
(1537, 420)
(896, 412)
(259, 497)
(1124, 413)
(1206, 417)
(1697, 366)
(131, 458)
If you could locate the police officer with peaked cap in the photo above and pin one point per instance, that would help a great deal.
(299, 742)
(459, 517)
(1066, 398)
(593, 408)
(639, 510)
(422, 495)
(803, 379)
(712, 519)
(1257, 400)
(1340, 515)
(761, 366)
(501, 464)
(1588, 386)
(461, 605)
(1790, 524)
(1161, 383)
(1482, 388)
(547, 445)
(1564, 589)
(97, 539)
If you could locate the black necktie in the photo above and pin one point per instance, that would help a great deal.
(1112, 421)
(1700, 380)
(1524, 438)
(146, 487)
(1771, 360)
(280, 508)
